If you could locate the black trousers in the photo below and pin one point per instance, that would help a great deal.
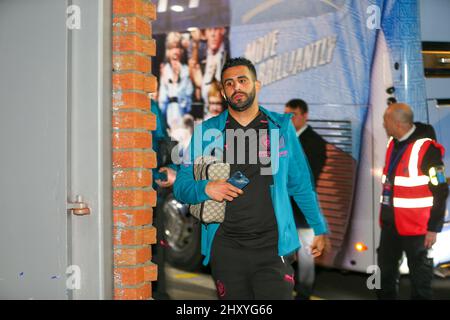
(390, 251)
(251, 274)
(159, 249)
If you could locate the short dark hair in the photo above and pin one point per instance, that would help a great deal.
(239, 61)
(298, 104)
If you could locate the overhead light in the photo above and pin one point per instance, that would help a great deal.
(162, 6)
(194, 3)
(360, 247)
(177, 8)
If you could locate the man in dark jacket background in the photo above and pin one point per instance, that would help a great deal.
(314, 147)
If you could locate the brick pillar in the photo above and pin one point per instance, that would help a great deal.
(133, 158)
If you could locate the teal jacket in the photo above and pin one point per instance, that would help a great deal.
(158, 135)
(290, 169)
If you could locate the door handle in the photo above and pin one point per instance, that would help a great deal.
(78, 207)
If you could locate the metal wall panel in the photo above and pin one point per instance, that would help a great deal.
(90, 73)
(55, 143)
(33, 163)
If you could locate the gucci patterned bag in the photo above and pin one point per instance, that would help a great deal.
(208, 167)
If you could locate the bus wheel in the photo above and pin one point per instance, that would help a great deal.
(182, 233)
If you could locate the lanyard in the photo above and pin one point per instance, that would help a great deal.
(393, 164)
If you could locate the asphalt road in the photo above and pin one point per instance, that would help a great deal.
(330, 285)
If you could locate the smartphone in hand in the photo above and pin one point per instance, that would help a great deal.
(160, 176)
(239, 180)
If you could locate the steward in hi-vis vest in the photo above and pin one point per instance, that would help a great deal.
(413, 202)
(406, 185)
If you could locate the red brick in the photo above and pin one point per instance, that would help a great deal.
(134, 198)
(128, 43)
(127, 140)
(141, 178)
(128, 7)
(151, 272)
(132, 218)
(127, 62)
(143, 292)
(149, 10)
(128, 81)
(127, 257)
(132, 25)
(149, 47)
(134, 120)
(149, 236)
(134, 237)
(150, 83)
(129, 276)
(131, 100)
(134, 159)
(134, 81)
(132, 46)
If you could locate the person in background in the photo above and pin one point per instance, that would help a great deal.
(163, 178)
(204, 72)
(413, 202)
(197, 53)
(175, 94)
(314, 147)
(215, 101)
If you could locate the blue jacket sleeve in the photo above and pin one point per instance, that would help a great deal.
(174, 167)
(186, 189)
(160, 132)
(300, 185)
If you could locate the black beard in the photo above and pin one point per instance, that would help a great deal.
(242, 106)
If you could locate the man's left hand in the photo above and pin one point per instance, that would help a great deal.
(318, 245)
(430, 239)
(171, 176)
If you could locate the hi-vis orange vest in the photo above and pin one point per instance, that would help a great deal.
(411, 197)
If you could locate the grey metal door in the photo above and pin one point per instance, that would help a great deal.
(54, 144)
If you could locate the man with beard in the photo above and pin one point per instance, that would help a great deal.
(252, 250)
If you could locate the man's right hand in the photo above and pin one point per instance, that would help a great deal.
(221, 190)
